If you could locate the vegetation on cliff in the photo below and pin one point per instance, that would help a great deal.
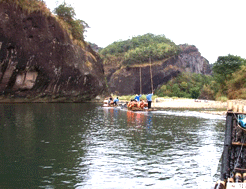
(75, 27)
(65, 15)
(139, 49)
(30, 6)
(227, 82)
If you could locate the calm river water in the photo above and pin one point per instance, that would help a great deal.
(70, 145)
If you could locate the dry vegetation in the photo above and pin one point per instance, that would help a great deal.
(30, 6)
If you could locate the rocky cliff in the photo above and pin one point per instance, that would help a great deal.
(40, 62)
(126, 80)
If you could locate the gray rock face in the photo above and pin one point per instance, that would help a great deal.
(126, 80)
(190, 59)
(39, 61)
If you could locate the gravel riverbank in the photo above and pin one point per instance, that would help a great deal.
(188, 103)
(206, 106)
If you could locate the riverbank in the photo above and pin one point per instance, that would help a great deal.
(188, 103)
(206, 106)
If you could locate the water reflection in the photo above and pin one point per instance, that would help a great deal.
(40, 145)
(84, 146)
(160, 149)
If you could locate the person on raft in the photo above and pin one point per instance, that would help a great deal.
(110, 100)
(137, 97)
(116, 100)
(149, 99)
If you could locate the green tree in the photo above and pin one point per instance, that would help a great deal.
(65, 12)
(224, 67)
(176, 90)
(184, 85)
(195, 92)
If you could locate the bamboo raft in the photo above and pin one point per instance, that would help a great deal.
(141, 109)
(233, 167)
(139, 106)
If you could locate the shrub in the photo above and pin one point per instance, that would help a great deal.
(222, 98)
(207, 92)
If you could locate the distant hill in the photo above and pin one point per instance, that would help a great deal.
(123, 59)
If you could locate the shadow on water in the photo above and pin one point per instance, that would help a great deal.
(86, 146)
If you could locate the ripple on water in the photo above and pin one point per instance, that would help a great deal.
(82, 146)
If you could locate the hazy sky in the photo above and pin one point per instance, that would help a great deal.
(215, 27)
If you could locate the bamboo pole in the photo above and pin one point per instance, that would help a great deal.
(225, 168)
(151, 79)
(140, 73)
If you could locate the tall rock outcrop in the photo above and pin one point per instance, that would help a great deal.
(40, 62)
(126, 80)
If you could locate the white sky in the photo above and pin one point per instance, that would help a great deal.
(215, 27)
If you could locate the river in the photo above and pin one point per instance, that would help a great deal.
(73, 145)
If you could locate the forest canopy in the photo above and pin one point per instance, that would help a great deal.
(139, 49)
